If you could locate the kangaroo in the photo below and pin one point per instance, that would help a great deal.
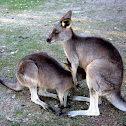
(80, 71)
(100, 60)
(41, 70)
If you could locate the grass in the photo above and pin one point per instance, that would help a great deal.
(14, 123)
(15, 48)
(18, 111)
(20, 4)
(122, 120)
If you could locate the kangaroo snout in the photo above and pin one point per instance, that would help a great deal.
(48, 40)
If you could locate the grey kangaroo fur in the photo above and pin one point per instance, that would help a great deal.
(100, 60)
(41, 70)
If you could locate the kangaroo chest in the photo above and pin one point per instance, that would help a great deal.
(70, 51)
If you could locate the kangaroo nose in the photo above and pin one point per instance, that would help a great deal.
(48, 40)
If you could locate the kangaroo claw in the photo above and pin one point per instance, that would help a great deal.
(52, 110)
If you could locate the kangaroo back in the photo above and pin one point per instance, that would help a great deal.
(50, 73)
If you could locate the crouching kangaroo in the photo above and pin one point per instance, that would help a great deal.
(100, 60)
(41, 70)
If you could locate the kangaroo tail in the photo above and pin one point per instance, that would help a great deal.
(116, 99)
(14, 86)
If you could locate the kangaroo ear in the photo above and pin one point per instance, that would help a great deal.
(68, 67)
(66, 19)
(66, 23)
(67, 15)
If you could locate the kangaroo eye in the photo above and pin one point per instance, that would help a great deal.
(56, 33)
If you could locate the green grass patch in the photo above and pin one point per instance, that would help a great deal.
(18, 111)
(15, 123)
(20, 4)
(122, 120)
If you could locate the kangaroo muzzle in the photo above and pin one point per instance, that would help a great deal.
(48, 40)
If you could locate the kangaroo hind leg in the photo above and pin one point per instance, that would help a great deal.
(35, 98)
(93, 108)
(94, 95)
(27, 75)
(43, 92)
(86, 99)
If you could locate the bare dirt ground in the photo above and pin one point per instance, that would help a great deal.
(102, 18)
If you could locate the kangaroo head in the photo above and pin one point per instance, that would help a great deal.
(62, 29)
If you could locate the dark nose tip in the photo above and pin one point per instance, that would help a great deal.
(48, 40)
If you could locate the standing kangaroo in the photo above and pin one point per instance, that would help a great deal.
(41, 70)
(100, 60)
